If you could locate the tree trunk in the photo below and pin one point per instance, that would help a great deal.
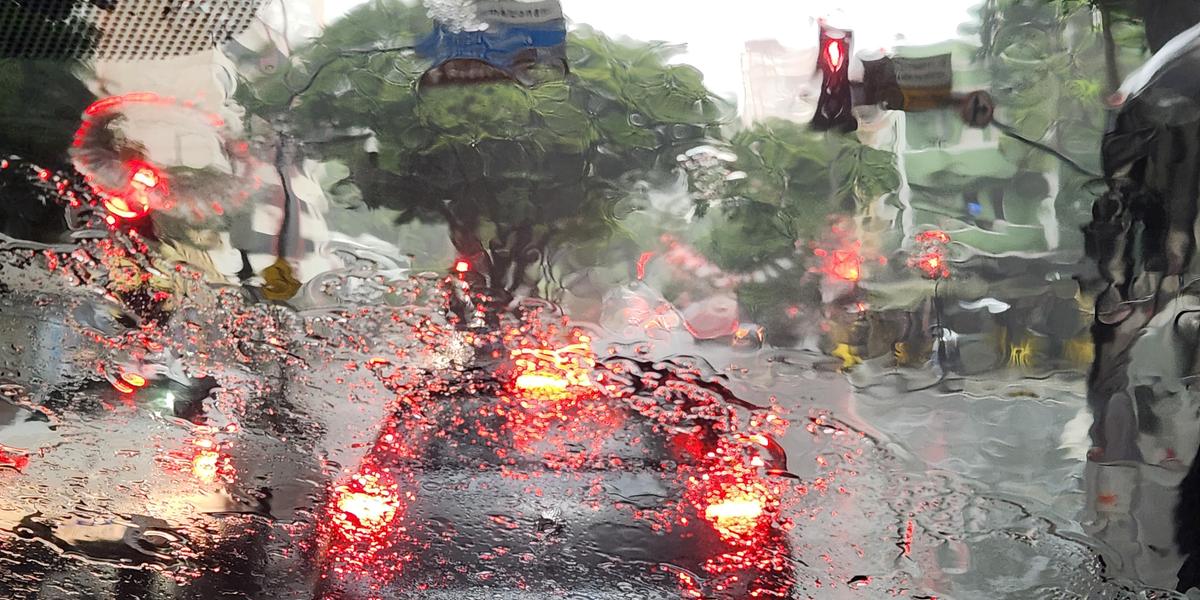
(1112, 73)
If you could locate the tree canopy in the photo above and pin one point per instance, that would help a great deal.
(507, 167)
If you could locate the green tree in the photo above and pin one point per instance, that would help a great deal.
(786, 185)
(788, 181)
(510, 169)
(1053, 69)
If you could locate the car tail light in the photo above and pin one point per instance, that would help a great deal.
(542, 385)
(366, 504)
(368, 510)
(736, 510)
(554, 375)
(143, 176)
(209, 463)
(206, 465)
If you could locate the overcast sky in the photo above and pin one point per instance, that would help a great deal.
(716, 31)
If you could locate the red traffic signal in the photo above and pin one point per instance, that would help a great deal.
(835, 104)
(833, 52)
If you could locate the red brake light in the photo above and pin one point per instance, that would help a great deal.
(846, 265)
(205, 465)
(209, 463)
(734, 510)
(369, 510)
(554, 375)
(542, 385)
(365, 504)
(145, 177)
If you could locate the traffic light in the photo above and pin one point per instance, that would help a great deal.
(835, 103)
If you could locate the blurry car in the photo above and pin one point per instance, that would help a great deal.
(115, 466)
(494, 483)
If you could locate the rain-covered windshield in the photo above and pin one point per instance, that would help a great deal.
(386, 299)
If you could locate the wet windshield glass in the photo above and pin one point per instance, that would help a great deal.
(374, 299)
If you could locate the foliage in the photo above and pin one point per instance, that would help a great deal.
(1049, 70)
(509, 168)
(794, 180)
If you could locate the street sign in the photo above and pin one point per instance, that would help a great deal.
(515, 12)
(510, 38)
(925, 83)
(910, 84)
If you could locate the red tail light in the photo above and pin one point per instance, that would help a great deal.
(736, 510)
(206, 465)
(370, 511)
(366, 504)
(120, 207)
(210, 463)
(846, 265)
(933, 236)
(553, 375)
(931, 259)
(542, 385)
(363, 525)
